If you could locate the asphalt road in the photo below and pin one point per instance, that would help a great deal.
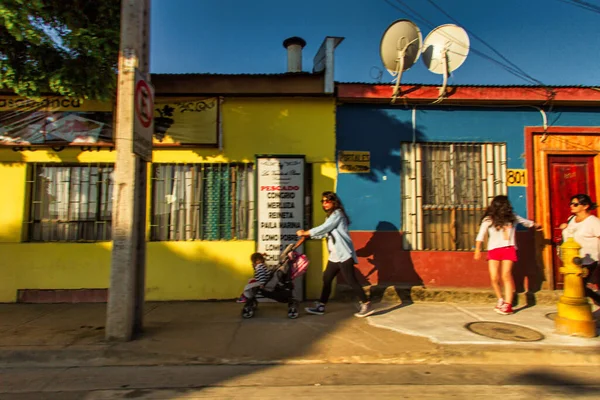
(316, 381)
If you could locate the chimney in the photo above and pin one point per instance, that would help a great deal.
(294, 47)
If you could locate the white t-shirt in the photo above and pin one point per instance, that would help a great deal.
(587, 234)
(498, 238)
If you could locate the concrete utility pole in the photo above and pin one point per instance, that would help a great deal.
(133, 149)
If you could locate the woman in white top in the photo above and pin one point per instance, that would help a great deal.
(500, 223)
(584, 228)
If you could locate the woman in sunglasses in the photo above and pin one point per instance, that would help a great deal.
(584, 228)
(342, 256)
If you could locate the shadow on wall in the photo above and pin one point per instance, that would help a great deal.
(363, 128)
(382, 260)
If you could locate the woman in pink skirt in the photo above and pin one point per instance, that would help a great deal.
(500, 223)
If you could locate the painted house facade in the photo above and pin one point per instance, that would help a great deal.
(414, 176)
(417, 203)
(57, 158)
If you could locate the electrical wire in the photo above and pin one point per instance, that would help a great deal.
(583, 4)
(506, 65)
(513, 65)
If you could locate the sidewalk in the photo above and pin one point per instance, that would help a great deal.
(214, 333)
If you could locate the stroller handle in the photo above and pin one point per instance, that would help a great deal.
(299, 242)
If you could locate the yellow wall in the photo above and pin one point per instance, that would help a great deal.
(175, 270)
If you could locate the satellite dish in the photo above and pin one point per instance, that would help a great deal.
(400, 48)
(444, 50)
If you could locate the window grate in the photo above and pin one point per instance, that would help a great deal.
(70, 203)
(202, 202)
(447, 187)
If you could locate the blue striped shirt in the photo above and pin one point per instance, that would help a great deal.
(262, 273)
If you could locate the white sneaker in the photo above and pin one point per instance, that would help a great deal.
(365, 310)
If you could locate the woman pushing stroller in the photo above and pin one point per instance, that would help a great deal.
(342, 256)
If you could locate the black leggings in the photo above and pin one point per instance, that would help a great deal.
(592, 278)
(347, 269)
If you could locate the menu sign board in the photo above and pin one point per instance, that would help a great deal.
(353, 162)
(280, 204)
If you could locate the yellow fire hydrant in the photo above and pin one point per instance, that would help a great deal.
(574, 311)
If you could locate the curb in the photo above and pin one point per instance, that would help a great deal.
(444, 354)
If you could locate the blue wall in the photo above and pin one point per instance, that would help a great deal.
(371, 198)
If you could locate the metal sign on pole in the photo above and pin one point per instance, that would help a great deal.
(144, 117)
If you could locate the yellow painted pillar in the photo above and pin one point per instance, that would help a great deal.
(574, 311)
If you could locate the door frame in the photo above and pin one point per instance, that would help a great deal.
(536, 156)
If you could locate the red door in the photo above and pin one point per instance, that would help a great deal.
(569, 175)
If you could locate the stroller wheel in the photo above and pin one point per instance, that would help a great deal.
(293, 313)
(248, 311)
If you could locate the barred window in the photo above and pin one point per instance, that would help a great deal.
(447, 187)
(70, 203)
(202, 202)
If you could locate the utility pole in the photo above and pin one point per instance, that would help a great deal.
(133, 141)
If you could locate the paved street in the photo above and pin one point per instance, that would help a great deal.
(300, 381)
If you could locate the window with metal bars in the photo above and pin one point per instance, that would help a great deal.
(202, 202)
(446, 189)
(70, 203)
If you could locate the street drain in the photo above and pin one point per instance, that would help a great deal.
(552, 315)
(504, 331)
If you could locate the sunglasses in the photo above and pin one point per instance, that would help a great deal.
(575, 204)
(326, 201)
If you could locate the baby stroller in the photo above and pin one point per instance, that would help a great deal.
(281, 285)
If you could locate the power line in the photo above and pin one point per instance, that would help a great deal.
(420, 18)
(513, 65)
(583, 4)
(508, 65)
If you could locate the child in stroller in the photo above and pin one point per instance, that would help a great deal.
(279, 280)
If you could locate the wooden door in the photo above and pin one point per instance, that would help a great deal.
(568, 176)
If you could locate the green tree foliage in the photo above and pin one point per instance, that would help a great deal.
(66, 47)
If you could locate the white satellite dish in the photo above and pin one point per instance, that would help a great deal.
(400, 48)
(444, 50)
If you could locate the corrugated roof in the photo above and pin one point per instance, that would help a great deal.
(239, 74)
(467, 85)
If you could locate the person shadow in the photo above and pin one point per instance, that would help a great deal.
(528, 271)
(387, 268)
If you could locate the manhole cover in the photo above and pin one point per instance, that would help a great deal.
(503, 331)
(552, 315)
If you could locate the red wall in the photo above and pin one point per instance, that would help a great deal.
(381, 260)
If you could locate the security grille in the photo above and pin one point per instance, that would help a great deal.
(70, 203)
(447, 187)
(202, 202)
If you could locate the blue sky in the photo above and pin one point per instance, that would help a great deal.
(552, 41)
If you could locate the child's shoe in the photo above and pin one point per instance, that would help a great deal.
(242, 299)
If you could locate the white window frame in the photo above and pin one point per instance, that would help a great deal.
(493, 165)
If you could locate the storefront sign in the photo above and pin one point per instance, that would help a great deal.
(176, 121)
(54, 120)
(280, 204)
(516, 177)
(186, 121)
(354, 162)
